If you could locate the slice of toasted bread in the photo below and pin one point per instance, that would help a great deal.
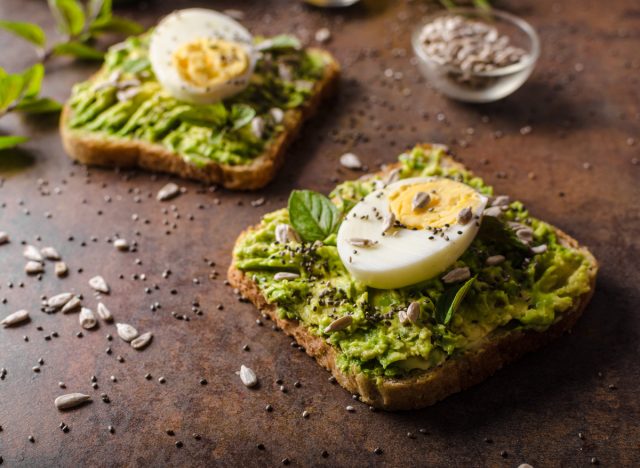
(106, 150)
(424, 388)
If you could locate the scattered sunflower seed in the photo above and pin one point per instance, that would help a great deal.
(494, 212)
(538, 249)
(457, 274)
(15, 318)
(420, 200)
(285, 233)
(87, 319)
(277, 114)
(104, 313)
(323, 35)
(465, 216)
(121, 244)
(413, 312)
(99, 284)
(339, 324)
(168, 192)
(495, 260)
(61, 269)
(33, 268)
(285, 275)
(71, 400)
(257, 127)
(350, 161)
(59, 300)
(126, 332)
(388, 223)
(32, 253)
(142, 341)
(501, 200)
(393, 176)
(358, 242)
(4, 238)
(50, 253)
(72, 305)
(248, 376)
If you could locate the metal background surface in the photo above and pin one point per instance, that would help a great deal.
(583, 106)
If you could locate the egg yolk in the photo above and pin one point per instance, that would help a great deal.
(446, 199)
(206, 62)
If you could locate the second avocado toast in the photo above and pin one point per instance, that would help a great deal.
(518, 295)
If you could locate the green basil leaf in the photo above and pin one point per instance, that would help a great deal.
(39, 106)
(28, 31)
(241, 115)
(213, 115)
(78, 50)
(9, 141)
(313, 215)
(136, 65)
(493, 230)
(32, 81)
(283, 41)
(69, 15)
(450, 300)
(115, 24)
(10, 89)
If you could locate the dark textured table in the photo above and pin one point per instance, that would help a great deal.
(577, 399)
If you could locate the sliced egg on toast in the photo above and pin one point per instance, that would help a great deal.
(409, 231)
(201, 56)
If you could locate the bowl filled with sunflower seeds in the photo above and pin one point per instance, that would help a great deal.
(475, 55)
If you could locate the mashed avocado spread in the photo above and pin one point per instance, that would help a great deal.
(124, 100)
(526, 291)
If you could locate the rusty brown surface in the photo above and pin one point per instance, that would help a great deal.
(583, 106)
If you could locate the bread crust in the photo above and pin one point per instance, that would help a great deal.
(424, 388)
(105, 150)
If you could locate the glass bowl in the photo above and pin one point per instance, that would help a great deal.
(480, 86)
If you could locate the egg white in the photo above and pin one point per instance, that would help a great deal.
(184, 26)
(401, 256)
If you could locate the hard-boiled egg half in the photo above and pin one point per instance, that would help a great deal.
(201, 56)
(409, 231)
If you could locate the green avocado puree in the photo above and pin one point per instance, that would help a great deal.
(124, 100)
(525, 292)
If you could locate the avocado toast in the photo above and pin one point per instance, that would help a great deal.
(511, 306)
(123, 117)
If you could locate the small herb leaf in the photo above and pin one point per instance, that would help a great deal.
(212, 115)
(78, 49)
(9, 141)
(10, 89)
(28, 31)
(69, 15)
(241, 115)
(283, 41)
(313, 215)
(115, 24)
(32, 81)
(450, 300)
(39, 106)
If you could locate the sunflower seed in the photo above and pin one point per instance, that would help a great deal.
(393, 176)
(50, 253)
(60, 269)
(538, 249)
(339, 324)
(501, 200)
(358, 242)
(465, 216)
(71, 306)
(121, 244)
(494, 212)
(420, 200)
(247, 376)
(389, 222)
(168, 192)
(350, 161)
(285, 275)
(99, 284)
(525, 234)
(127, 94)
(277, 114)
(413, 312)
(72, 400)
(33, 268)
(457, 274)
(87, 319)
(323, 35)
(142, 341)
(257, 127)
(32, 253)
(285, 233)
(15, 318)
(495, 260)
(59, 300)
(126, 332)
(4, 237)
(104, 313)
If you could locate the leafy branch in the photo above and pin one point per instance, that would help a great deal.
(80, 24)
